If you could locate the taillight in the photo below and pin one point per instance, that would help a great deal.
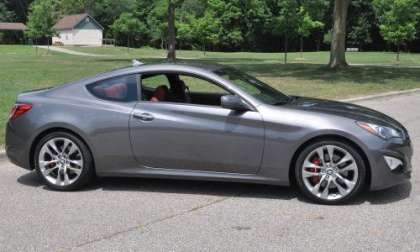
(19, 109)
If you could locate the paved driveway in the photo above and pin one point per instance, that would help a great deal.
(165, 215)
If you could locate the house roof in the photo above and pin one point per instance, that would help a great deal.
(12, 26)
(71, 21)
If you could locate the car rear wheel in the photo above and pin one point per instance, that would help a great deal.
(330, 172)
(63, 161)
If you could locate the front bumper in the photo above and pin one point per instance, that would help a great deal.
(381, 174)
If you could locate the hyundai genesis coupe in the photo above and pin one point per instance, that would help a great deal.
(209, 122)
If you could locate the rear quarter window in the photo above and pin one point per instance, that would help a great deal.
(122, 89)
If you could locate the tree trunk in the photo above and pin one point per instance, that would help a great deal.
(286, 44)
(128, 42)
(36, 47)
(338, 43)
(318, 44)
(171, 32)
(301, 47)
(398, 53)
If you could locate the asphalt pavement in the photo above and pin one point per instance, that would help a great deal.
(168, 215)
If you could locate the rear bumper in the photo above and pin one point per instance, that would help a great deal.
(382, 176)
(17, 148)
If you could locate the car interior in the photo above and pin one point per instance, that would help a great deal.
(170, 87)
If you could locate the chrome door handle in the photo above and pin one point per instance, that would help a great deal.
(144, 117)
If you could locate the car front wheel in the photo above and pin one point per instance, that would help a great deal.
(63, 161)
(330, 172)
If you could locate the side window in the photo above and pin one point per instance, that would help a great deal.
(197, 85)
(154, 81)
(181, 88)
(122, 89)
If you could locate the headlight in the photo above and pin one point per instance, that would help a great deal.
(381, 131)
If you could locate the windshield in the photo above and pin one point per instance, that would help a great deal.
(253, 86)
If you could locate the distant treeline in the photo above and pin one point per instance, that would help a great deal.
(238, 25)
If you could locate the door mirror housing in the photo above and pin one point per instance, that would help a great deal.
(234, 102)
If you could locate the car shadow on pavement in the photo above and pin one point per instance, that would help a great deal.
(226, 189)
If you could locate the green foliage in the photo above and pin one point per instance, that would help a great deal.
(285, 20)
(128, 25)
(41, 19)
(229, 15)
(261, 25)
(328, 37)
(105, 11)
(397, 19)
(306, 23)
(5, 14)
(361, 23)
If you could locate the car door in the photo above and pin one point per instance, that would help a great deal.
(198, 137)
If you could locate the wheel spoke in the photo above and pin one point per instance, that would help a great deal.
(320, 152)
(330, 150)
(73, 149)
(75, 170)
(307, 174)
(315, 189)
(340, 188)
(66, 178)
(58, 179)
(350, 167)
(49, 170)
(46, 163)
(347, 157)
(53, 146)
(65, 145)
(308, 164)
(326, 190)
(349, 184)
(76, 162)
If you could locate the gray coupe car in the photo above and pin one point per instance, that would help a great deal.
(208, 122)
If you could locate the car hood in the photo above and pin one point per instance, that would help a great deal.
(348, 110)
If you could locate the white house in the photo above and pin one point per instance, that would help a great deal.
(80, 29)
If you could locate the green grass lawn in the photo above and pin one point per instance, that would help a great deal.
(22, 69)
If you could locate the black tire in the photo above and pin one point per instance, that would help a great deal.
(87, 172)
(360, 165)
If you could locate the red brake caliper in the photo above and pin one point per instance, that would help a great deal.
(315, 179)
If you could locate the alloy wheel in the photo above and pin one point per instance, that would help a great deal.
(60, 161)
(330, 172)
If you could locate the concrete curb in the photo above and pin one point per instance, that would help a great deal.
(383, 95)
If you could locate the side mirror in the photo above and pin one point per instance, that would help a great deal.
(234, 102)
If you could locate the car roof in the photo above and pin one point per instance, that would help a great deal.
(166, 65)
(189, 66)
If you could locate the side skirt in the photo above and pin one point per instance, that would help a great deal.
(193, 175)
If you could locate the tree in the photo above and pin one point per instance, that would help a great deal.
(254, 21)
(205, 30)
(5, 14)
(104, 11)
(229, 16)
(305, 25)
(41, 19)
(285, 22)
(397, 20)
(129, 26)
(338, 42)
(360, 23)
